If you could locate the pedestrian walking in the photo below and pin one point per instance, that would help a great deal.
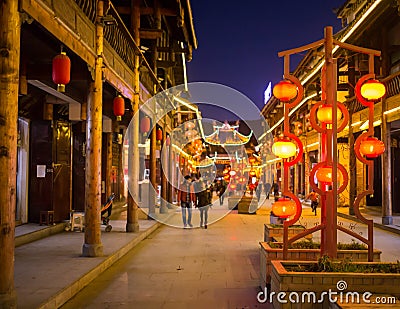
(313, 196)
(186, 197)
(275, 188)
(203, 201)
(267, 189)
(221, 192)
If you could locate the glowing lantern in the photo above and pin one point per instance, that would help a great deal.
(298, 131)
(325, 114)
(233, 186)
(285, 91)
(252, 173)
(159, 134)
(252, 160)
(284, 148)
(284, 207)
(372, 90)
(242, 179)
(61, 71)
(372, 147)
(145, 125)
(324, 174)
(232, 173)
(119, 107)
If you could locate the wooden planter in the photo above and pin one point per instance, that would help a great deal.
(286, 281)
(245, 204)
(273, 233)
(268, 254)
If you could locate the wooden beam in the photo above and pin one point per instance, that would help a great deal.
(163, 11)
(150, 34)
(165, 64)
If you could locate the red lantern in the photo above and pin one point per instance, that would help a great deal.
(325, 114)
(324, 174)
(145, 125)
(232, 186)
(159, 134)
(284, 207)
(252, 173)
(61, 71)
(372, 147)
(285, 91)
(119, 107)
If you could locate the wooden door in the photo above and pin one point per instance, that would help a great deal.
(41, 170)
(62, 181)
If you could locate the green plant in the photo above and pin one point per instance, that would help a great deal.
(325, 264)
(309, 244)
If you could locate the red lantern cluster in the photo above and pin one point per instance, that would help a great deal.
(61, 71)
(119, 107)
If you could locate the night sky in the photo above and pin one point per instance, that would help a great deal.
(238, 44)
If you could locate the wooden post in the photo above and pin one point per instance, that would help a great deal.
(10, 24)
(387, 218)
(329, 237)
(92, 244)
(109, 164)
(163, 171)
(352, 154)
(132, 219)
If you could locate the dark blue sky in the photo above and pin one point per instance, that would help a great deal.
(238, 44)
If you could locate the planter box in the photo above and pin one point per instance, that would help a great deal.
(233, 201)
(245, 204)
(271, 232)
(297, 283)
(268, 254)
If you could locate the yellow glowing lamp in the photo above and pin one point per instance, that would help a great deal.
(284, 148)
(324, 174)
(325, 114)
(285, 91)
(284, 208)
(232, 173)
(373, 90)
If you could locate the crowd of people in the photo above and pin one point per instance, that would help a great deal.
(196, 192)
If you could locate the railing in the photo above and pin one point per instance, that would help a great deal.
(88, 7)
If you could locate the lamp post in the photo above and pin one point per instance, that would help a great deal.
(328, 117)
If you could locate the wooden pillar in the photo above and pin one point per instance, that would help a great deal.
(132, 219)
(164, 170)
(329, 237)
(108, 171)
(387, 218)
(10, 24)
(352, 154)
(92, 245)
(153, 141)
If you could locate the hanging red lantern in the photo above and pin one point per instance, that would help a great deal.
(119, 107)
(373, 90)
(252, 173)
(325, 114)
(284, 207)
(372, 147)
(145, 125)
(61, 71)
(159, 134)
(285, 91)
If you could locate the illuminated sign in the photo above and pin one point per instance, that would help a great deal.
(268, 93)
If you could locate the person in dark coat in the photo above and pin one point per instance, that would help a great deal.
(203, 201)
(186, 197)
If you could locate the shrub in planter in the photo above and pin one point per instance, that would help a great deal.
(348, 278)
(306, 251)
